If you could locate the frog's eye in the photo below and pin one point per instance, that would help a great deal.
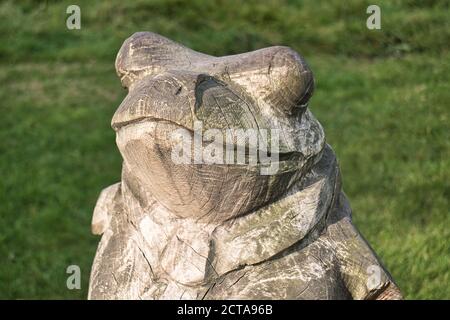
(292, 82)
(148, 53)
(277, 75)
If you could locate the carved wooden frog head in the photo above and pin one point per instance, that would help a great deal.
(242, 122)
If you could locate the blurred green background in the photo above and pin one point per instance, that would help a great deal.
(383, 97)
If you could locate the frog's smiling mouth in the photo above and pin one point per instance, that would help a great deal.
(144, 128)
(117, 125)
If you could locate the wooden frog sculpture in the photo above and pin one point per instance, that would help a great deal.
(228, 228)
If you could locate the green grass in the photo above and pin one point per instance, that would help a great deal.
(382, 96)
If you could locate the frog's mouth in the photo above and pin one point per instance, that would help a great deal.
(159, 131)
(119, 124)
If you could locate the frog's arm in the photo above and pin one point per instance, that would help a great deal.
(361, 270)
(104, 208)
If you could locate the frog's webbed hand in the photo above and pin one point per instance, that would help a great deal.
(362, 271)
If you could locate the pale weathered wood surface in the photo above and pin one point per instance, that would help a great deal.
(224, 231)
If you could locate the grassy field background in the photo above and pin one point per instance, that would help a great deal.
(383, 97)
